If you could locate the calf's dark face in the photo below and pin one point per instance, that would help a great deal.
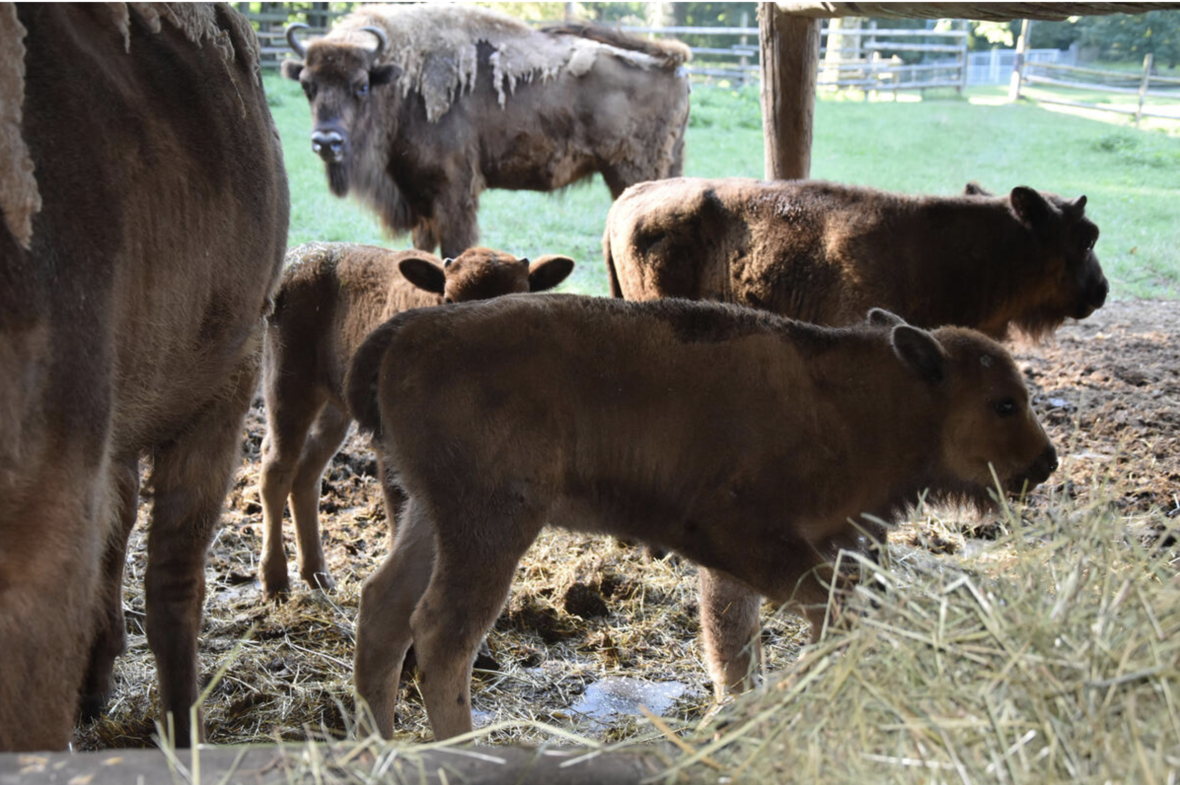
(340, 83)
(988, 421)
(1062, 228)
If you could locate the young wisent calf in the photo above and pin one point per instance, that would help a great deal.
(739, 439)
(331, 295)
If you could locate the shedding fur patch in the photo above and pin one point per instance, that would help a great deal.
(19, 198)
(436, 46)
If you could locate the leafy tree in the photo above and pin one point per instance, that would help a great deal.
(1131, 36)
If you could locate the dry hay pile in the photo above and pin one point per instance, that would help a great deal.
(1049, 653)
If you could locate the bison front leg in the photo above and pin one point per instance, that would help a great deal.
(731, 632)
(189, 480)
(110, 639)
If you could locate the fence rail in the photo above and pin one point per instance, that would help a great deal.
(1113, 82)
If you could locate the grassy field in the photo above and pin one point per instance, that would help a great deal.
(1132, 177)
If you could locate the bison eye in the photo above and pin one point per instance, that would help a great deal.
(361, 89)
(1005, 407)
(448, 300)
(309, 90)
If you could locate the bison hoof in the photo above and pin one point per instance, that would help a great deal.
(320, 580)
(93, 706)
(275, 589)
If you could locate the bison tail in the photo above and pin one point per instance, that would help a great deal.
(360, 387)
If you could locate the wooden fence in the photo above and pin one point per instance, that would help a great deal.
(1113, 82)
(861, 58)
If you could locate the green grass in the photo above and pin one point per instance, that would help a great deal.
(1132, 177)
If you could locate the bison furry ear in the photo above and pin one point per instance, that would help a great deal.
(384, 74)
(1077, 208)
(1030, 207)
(292, 69)
(975, 189)
(427, 276)
(549, 271)
(920, 350)
(879, 317)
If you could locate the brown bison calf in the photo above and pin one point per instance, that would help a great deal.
(331, 296)
(739, 439)
(826, 253)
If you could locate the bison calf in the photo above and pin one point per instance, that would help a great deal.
(741, 440)
(826, 253)
(331, 296)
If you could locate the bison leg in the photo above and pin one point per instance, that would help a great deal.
(291, 408)
(110, 640)
(48, 581)
(327, 434)
(190, 477)
(383, 628)
(470, 583)
(731, 631)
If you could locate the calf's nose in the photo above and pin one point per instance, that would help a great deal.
(1044, 465)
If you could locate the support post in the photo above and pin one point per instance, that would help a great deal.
(790, 57)
(1143, 87)
(1018, 62)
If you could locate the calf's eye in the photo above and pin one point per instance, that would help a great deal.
(362, 89)
(1005, 407)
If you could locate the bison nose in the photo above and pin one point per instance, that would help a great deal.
(328, 145)
(1044, 465)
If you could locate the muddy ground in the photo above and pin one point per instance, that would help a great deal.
(587, 610)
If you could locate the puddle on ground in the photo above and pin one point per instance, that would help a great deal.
(606, 698)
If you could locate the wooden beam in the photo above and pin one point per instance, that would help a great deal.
(790, 56)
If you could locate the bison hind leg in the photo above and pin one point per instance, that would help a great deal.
(467, 591)
(731, 632)
(383, 628)
(327, 434)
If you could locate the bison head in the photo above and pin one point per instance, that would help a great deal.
(1066, 239)
(338, 78)
(987, 424)
(481, 274)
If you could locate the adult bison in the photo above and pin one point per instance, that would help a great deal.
(145, 217)
(419, 108)
(744, 441)
(826, 253)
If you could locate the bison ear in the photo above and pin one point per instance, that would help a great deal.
(1077, 208)
(549, 271)
(920, 350)
(384, 74)
(1030, 207)
(879, 317)
(975, 189)
(292, 69)
(427, 276)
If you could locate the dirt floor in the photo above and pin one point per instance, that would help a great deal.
(587, 610)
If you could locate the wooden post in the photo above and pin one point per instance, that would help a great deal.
(790, 57)
(1143, 87)
(743, 61)
(964, 61)
(1018, 63)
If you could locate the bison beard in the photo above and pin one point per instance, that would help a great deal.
(338, 178)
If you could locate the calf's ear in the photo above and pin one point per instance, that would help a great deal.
(975, 189)
(384, 74)
(1077, 208)
(292, 69)
(879, 317)
(423, 274)
(549, 271)
(1030, 207)
(920, 350)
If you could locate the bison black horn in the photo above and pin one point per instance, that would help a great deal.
(292, 29)
(382, 41)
